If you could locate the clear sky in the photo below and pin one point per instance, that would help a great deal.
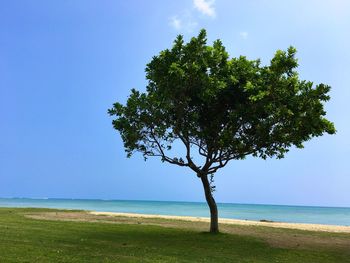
(63, 64)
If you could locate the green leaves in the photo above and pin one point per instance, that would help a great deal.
(284, 62)
(225, 108)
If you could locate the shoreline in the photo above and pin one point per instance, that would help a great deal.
(298, 226)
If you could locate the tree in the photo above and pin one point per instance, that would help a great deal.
(220, 109)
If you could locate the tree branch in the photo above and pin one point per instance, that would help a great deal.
(162, 154)
(188, 154)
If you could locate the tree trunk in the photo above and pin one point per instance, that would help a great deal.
(214, 225)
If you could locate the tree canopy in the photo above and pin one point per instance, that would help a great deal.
(224, 108)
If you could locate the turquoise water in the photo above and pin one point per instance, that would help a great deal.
(280, 213)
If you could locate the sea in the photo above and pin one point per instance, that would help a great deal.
(277, 213)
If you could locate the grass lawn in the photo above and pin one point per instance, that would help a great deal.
(43, 235)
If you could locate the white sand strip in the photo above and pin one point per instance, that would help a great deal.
(309, 227)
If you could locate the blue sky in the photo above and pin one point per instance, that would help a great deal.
(63, 64)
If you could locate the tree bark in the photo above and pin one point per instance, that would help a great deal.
(214, 224)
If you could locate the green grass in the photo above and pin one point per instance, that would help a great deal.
(24, 239)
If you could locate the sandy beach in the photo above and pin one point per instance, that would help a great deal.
(299, 226)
